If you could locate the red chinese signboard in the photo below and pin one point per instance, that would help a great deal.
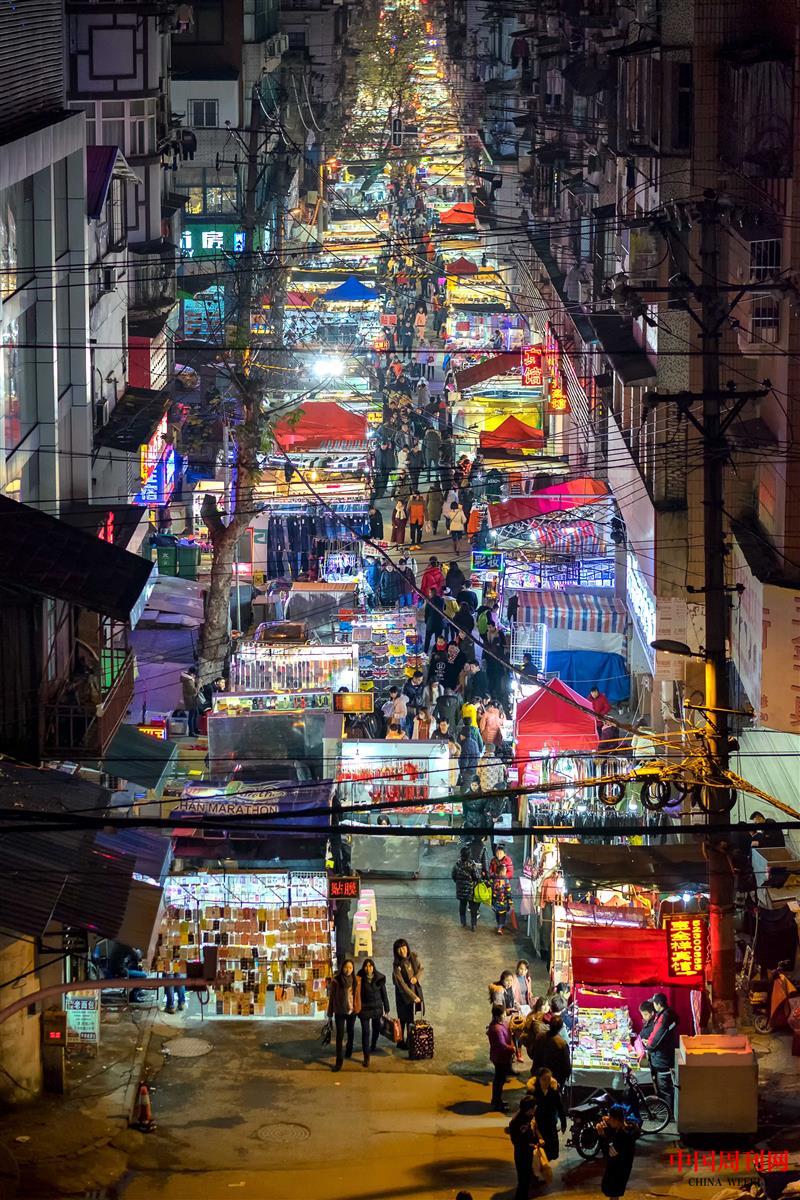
(558, 401)
(686, 945)
(532, 374)
(344, 887)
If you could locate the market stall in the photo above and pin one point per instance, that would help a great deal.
(389, 646)
(267, 934)
(413, 781)
(614, 968)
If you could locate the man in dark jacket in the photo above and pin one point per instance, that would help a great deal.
(434, 621)
(437, 663)
(660, 1039)
(414, 692)
(384, 461)
(465, 875)
(415, 464)
(551, 1051)
(374, 1006)
(390, 586)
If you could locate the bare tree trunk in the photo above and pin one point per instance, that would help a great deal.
(215, 635)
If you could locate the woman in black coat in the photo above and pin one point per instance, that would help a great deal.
(455, 579)
(374, 1006)
(618, 1143)
(550, 1112)
(406, 972)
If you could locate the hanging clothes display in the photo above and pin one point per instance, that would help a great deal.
(300, 534)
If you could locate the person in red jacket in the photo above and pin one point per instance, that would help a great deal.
(501, 1054)
(500, 858)
(432, 582)
(600, 703)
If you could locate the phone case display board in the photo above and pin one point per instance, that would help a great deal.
(602, 1037)
(238, 706)
(273, 937)
(389, 647)
(262, 668)
(709, 1067)
(388, 772)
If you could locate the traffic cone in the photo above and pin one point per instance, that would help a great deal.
(144, 1110)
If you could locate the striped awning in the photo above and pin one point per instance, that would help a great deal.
(585, 611)
(582, 536)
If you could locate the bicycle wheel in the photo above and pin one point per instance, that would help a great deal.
(655, 1114)
(761, 1022)
(586, 1142)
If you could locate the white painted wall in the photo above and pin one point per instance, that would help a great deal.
(225, 91)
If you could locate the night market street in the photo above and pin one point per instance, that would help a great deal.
(399, 592)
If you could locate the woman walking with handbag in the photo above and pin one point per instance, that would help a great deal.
(344, 1005)
(374, 1006)
(525, 1139)
(550, 1112)
(406, 972)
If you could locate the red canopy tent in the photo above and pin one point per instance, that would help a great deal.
(555, 717)
(512, 434)
(461, 266)
(319, 424)
(633, 963)
(459, 214)
(560, 497)
(299, 299)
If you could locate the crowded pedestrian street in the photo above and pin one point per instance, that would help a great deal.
(396, 719)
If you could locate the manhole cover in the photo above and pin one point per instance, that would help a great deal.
(187, 1047)
(283, 1131)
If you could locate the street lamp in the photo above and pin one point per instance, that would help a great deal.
(672, 647)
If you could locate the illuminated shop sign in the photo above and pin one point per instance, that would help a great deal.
(532, 369)
(686, 945)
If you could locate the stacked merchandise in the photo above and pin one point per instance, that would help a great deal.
(235, 706)
(389, 644)
(259, 667)
(602, 1038)
(272, 935)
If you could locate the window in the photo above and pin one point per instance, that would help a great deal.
(207, 27)
(18, 380)
(89, 109)
(117, 229)
(204, 114)
(195, 205)
(765, 258)
(684, 107)
(219, 199)
(765, 319)
(16, 237)
(297, 40)
(60, 208)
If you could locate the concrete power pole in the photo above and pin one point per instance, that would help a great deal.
(717, 702)
(719, 408)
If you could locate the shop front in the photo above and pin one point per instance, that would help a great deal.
(264, 940)
(397, 783)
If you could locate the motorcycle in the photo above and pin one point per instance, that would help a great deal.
(651, 1113)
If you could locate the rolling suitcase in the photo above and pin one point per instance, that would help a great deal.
(420, 1038)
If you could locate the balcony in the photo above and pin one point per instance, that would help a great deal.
(87, 729)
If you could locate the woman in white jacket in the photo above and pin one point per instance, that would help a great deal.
(458, 524)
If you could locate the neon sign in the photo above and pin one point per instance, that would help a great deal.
(686, 945)
(532, 371)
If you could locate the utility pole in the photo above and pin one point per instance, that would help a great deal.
(717, 702)
(719, 408)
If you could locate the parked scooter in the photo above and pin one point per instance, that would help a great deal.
(650, 1112)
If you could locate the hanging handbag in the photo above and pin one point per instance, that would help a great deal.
(513, 923)
(482, 893)
(541, 1165)
(392, 1029)
(325, 1033)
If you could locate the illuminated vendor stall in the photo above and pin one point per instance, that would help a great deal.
(263, 939)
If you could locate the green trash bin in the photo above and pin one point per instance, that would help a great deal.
(188, 561)
(167, 560)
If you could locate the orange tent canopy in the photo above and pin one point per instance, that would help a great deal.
(459, 214)
(512, 434)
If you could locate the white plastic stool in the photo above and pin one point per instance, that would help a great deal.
(365, 914)
(362, 940)
(367, 899)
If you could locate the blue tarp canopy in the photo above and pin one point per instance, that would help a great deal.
(585, 669)
(351, 290)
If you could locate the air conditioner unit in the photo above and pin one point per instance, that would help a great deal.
(102, 413)
(277, 45)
